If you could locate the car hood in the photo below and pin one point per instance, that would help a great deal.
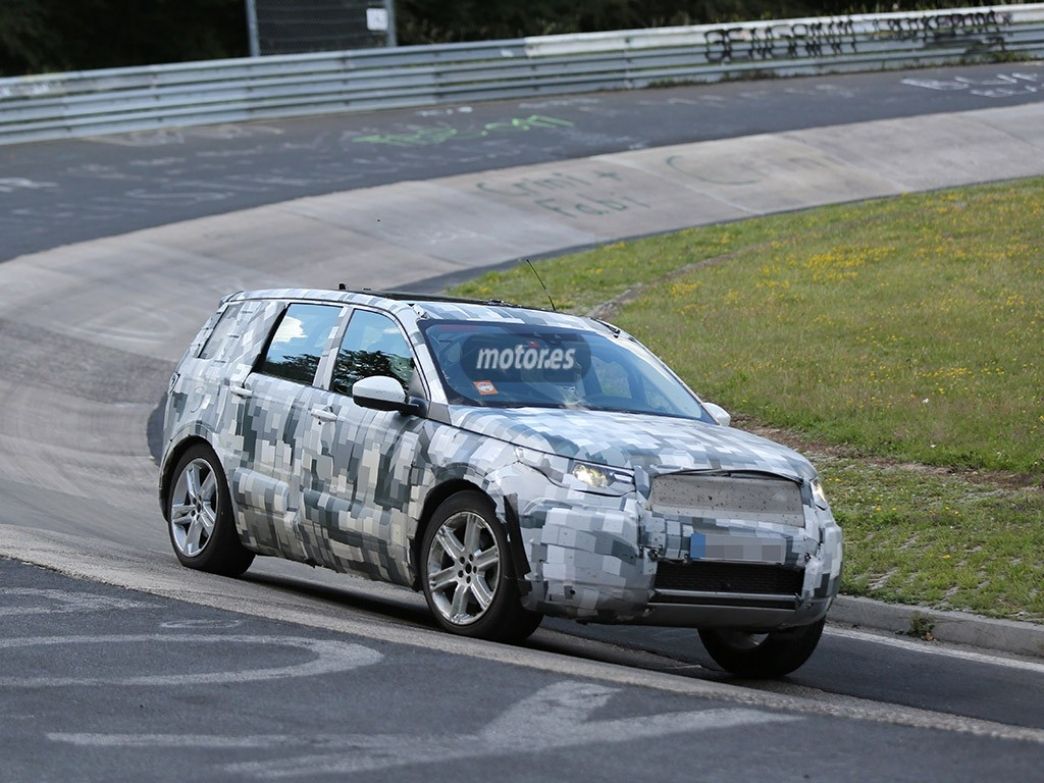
(658, 444)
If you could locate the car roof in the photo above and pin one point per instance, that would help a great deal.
(432, 306)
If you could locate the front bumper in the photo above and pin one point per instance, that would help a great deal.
(595, 559)
(744, 613)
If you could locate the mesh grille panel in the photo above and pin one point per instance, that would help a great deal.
(729, 497)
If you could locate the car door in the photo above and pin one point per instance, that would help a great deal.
(358, 461)
(272, 423)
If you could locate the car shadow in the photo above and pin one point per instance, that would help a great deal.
(386, 608)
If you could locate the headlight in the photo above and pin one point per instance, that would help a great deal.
(818, 495)
(580, 476)
(593, 475)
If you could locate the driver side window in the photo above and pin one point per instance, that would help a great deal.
(373, 344)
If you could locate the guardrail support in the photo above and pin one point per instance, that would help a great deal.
(251, 20)
(389, 6)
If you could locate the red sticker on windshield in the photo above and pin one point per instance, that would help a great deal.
(485, 387)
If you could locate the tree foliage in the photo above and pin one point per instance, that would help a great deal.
(59, 35)
(436, 21)
(432, 21)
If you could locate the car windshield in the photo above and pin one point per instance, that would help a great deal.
(514, 365)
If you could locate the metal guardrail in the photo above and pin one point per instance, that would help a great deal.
(52, 106)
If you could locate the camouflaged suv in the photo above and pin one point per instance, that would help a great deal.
(510, 463)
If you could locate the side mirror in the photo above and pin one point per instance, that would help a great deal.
(380, 392)
(718, 413)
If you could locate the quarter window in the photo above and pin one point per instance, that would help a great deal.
(373, 345)
(299, 341)
(221, 332)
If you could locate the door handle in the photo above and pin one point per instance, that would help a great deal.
(240, 391)
(324, 414)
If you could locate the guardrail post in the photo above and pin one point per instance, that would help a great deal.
(389, 6)
(251, 19)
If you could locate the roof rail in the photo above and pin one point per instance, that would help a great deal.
(408, 296)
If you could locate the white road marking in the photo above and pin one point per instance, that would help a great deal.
(201, 623)
(927, 648)
(11, 184)
(67, 602)
(330, 657)
(554, 717)
(211, 741)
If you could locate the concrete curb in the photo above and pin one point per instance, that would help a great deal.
(1006, 636)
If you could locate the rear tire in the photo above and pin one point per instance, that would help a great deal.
(199, 516)
(762, 655)
(466, 572)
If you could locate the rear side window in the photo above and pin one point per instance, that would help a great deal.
(299, 341)
(372, 345)
(223, 329)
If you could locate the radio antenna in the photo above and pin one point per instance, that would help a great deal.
(546, 292)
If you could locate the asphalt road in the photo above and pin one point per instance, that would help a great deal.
(73, 408)
(56, 193)
(847, 664)
(98, 683)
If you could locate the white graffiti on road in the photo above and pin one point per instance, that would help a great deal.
(553, 718)
(1001, 85)
(201, 623)
(327, 657)
(165, 136)
(63, 602)
(11, 184)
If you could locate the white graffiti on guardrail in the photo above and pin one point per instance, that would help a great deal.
(1001, 85)
(29, 90)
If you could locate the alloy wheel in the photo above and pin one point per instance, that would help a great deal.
(463, 568)
(193, 508)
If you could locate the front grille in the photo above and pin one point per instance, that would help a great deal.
(757, 499)
(756, 578)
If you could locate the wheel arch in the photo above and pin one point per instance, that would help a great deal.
(173, 458)
(435, 498)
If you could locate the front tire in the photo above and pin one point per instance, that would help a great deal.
(466, 572)
(199, 515)
(772, 654)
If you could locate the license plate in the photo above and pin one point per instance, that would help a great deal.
(697, 546)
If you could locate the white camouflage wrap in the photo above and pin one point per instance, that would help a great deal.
(354, 493)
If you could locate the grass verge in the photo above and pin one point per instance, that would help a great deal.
(914, 536)
(904, 330)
